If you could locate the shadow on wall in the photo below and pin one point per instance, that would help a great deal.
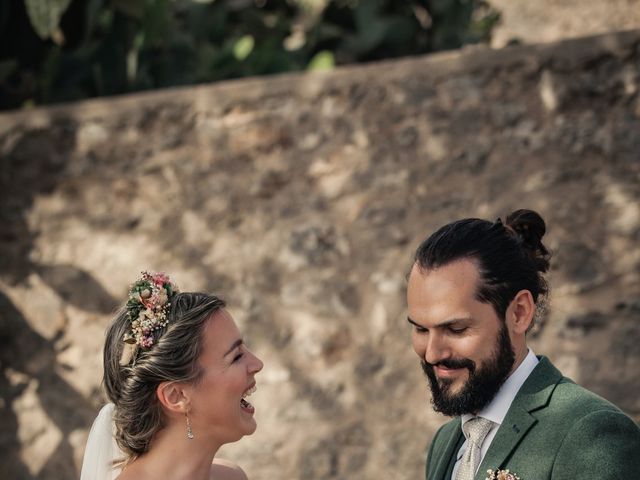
(31, 165)
(29, 361)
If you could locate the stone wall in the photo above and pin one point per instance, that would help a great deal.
(552, 20)
(301, 199)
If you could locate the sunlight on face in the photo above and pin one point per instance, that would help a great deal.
(452, 330)
(217, 407)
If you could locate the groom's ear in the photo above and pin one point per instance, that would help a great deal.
(520, 312)
(174, 397)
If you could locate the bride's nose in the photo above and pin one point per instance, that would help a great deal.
(255, 365)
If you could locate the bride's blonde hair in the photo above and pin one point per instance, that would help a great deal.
(173, 357)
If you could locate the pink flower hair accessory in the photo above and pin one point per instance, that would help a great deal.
(147, 307)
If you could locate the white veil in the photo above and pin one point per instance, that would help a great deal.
(101, 449)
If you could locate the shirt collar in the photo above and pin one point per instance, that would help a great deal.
(498, 407)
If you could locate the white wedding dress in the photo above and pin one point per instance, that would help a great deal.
(101, 450)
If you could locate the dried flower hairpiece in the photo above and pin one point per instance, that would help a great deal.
(147, 307)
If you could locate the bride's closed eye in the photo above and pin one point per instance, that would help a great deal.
(237, 357)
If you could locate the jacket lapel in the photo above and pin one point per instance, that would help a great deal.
(448, 452)
(513, 429)
(533, 395)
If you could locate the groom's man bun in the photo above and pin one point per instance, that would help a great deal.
(510, 256)
(529, 228)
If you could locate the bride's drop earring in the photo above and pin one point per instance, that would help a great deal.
(189, 431)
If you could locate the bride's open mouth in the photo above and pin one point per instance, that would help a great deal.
(244, 404)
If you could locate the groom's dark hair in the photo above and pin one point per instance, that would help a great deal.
(510, 256)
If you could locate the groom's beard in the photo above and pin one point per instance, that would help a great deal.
(481, 386)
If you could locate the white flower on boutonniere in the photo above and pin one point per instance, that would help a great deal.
(501, 475)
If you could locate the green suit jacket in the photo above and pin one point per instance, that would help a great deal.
(554, 429)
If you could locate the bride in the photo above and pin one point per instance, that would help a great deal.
(177, 374)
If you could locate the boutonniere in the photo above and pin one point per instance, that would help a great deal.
(501, 475)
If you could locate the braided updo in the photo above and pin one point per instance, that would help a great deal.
(511, 256)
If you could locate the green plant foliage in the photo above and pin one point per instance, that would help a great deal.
(7, 68)
(106, 47)
(243, 47)
(45, 15)
(322, 61)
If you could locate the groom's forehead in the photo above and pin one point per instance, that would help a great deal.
(453, 281)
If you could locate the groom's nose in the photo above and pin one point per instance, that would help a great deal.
(436, 349)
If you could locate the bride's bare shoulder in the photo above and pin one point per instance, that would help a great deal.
(225, 470)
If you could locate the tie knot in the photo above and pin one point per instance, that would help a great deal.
(477, 428)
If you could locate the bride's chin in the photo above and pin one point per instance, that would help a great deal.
(253, 427)
(250, 427)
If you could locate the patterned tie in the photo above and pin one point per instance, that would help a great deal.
(476, 430)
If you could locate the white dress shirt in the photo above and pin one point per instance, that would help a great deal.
(499, 406)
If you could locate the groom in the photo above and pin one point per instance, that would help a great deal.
(472, 296)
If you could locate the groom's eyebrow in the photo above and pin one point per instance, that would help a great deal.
(444, 324)
(235, 345)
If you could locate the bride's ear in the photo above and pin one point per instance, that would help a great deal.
(174, 397)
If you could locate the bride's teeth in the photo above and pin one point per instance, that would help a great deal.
(249, 392)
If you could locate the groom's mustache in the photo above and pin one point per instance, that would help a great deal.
(427, 367)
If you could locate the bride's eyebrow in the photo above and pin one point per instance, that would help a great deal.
(235, 345)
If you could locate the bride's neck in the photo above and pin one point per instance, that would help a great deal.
(173, 456)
